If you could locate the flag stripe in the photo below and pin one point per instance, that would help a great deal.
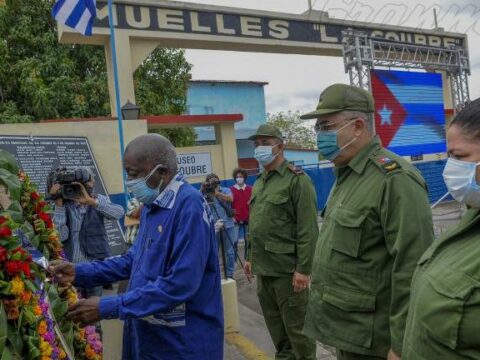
(77, 14)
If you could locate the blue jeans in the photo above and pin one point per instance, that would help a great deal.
(230, 241)
(242, 230)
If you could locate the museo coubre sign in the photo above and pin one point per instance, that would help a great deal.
(194, 164)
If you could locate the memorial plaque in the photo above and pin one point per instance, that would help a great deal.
(39, 155)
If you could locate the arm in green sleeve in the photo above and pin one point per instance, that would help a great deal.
(408, 229)
(305, 206)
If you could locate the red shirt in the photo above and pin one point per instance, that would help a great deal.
(241, 197)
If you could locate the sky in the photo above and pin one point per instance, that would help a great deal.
(296, 81)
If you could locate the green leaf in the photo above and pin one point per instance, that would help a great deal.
(68, 333)
(15, 339)
(3, 327)
(27, 229)
(12, 183)
(7, 290)
(8, 162)
(35, 240)
(7, 355)
(15, 211)
(33, 350)
(30, 286)
(58, 306)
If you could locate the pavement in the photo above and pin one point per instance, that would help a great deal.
(253, 340)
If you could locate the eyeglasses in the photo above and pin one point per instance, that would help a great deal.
(330, 126)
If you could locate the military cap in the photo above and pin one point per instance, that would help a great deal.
(341, 97)
(267, 130)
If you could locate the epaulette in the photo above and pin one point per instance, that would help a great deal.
(295, 170)
(386, 164)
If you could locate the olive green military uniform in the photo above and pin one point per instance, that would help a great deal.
(283, 230)
(377, 224)
(444, 316)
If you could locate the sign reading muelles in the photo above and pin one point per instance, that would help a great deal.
(194, 164)
(39, 155)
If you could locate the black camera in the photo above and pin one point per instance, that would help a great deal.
(210, 186)
(67, 179)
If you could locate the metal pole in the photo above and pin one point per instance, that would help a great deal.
(117, 92)
(310, 5)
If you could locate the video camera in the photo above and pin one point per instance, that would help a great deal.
(67, 178)
(210, 186)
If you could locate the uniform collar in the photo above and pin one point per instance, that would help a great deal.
(359, 162)
(167, 197)
(238, 187)
(280, 169)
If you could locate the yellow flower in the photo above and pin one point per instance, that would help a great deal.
(46, 358)
(42, 327)
(18, 287)
(89, 352)
(45, 348)
(62, 355)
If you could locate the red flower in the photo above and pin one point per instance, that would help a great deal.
(26, 269)
(3, 219)
(13, 267)
(46, 219)
(3, 254)
(34, 196)
(5, 231)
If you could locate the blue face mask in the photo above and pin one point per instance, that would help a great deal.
(264, 154)
(141, 191)
(327, 143)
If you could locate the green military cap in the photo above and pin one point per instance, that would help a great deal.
(341, 97)
(267, 130)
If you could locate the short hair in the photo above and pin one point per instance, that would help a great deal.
(468, 120)
(367, 117)
(211, 176)
(240, 171)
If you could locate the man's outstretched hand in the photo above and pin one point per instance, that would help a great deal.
(85, 311)
(63, 272)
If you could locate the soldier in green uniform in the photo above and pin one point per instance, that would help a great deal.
(444, 317)
(377, 224)
(283, 230)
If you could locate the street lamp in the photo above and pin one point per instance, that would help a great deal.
(130, 111)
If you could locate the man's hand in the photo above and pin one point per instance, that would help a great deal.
(392, 356)
(85, 198)
(85, 311)
(64, 272)
(247, 269)
(55, 190)
(300, 282)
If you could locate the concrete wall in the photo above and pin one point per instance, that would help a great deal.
(102, 136)
(213, 97)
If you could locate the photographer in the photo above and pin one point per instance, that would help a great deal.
(79, 216)
(220, 200)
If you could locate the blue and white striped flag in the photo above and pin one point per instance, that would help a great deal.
(77, 14)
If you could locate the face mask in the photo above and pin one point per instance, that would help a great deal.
(460, 178)
(264, 154)
(240, 180)
(141, 191)
(327, 143)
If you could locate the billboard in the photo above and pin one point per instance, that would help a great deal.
(409, 111)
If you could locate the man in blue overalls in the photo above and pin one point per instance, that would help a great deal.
(173, 307)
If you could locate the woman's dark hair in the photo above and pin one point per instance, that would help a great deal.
(468, 120)
(240, 171)
(211, 176)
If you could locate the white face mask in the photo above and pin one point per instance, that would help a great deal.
(240, 180)
(460, 178)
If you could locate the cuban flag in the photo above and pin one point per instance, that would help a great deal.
(77, 14)
(409, 111)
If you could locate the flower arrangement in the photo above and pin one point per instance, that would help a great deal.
(32, 309)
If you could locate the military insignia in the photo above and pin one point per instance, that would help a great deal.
(388, 164)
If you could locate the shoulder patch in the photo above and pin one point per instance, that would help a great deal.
(295, 170)
(387, 164)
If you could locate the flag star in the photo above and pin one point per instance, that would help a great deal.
(386, 116)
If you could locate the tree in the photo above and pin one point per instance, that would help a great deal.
(42, 79)
(295, 131)
(161, 85)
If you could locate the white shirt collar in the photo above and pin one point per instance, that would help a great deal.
(167, 197)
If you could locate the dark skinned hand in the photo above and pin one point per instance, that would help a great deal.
(85, 311)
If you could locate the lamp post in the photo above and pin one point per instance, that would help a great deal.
(130, 111)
